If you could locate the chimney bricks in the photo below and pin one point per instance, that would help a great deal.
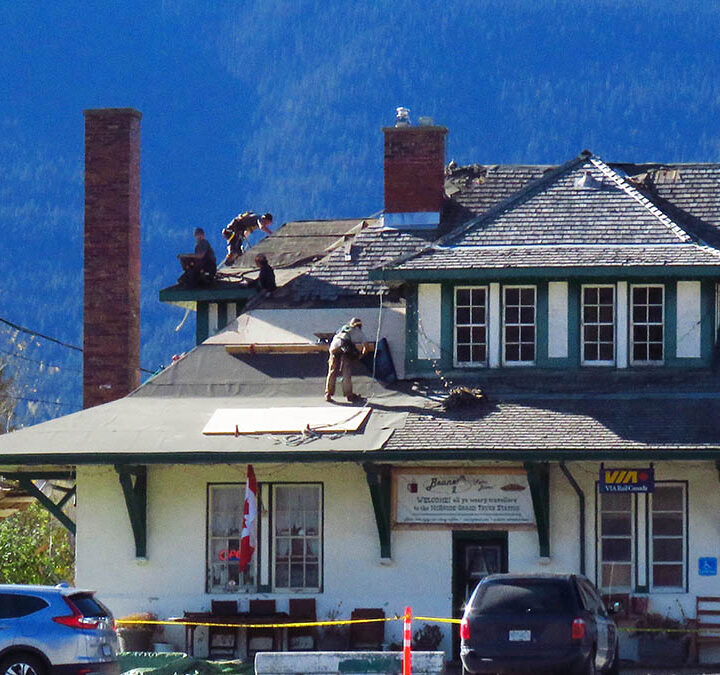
(111, 334)
(414, 168)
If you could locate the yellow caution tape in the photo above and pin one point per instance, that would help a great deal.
(298, 624)
(434, 618)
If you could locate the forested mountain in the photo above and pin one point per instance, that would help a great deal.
(277, 105)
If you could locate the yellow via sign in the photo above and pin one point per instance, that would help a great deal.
(627, 480)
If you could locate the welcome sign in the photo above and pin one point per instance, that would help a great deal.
(627, 480)
(450, 497)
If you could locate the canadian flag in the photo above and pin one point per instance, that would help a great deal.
(248, 538)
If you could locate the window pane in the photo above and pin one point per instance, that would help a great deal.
(607, 295)
(667, 550)
(616, 550)
(591, 314)
(463, 315)
(655, 295)
(639, 295)
(512, 333)
(590, 352)
(616, 501)
(463, 334)
(655, 352)
(463, 296)
(668, 524)
(616, 575)
(668, 498)
(591, 333)
(590, 296)
(512, 296)
(527, 352)
(463, 353)
(512, 315)
(527, 315)
(512, 353)
(478, 353)
(614, 523)
(607, 352)
(668, 575)
(527, 296)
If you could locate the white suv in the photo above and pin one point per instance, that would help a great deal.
(55, 630)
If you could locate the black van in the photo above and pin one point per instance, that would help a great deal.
(534, 623)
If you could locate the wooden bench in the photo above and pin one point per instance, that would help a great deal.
(707, 623)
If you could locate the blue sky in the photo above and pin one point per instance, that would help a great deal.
(278, 105)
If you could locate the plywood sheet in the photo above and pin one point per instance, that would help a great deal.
(322, 419)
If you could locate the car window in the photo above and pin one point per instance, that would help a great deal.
(87, 605)
(592, 601)
(521, 595)
(15, 605)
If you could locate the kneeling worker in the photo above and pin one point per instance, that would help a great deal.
(343, 351)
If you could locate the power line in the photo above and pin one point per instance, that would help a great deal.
(37, 400)
(35, 333)
(42, 363)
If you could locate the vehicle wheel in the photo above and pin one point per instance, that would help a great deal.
(22, 664)
(614, 667)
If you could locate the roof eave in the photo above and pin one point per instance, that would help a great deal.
(434, 455)
(477, 273)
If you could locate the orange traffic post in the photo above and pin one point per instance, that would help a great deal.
(407, 642)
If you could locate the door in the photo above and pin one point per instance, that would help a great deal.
(475, 555)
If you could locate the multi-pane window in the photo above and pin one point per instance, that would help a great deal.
(519, 324)
(598, 325)
(616, 541)
(225, 515)
(297, 536)
(647, 324)
(668, 552)
(470, 325)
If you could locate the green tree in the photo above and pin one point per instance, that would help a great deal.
(35, 548)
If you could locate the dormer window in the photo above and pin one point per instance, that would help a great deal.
(519, 329)
(598, 325)
(471, 326)
(647, 332)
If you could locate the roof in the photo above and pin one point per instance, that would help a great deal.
(582, 214)
(529, 415)
(163, 420)
(291, 250)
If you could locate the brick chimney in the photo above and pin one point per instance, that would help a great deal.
(111, 335)
(414, 173)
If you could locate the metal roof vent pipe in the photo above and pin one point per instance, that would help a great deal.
(587, 182)
(402, 117)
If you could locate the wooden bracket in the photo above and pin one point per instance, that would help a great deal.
(136, 502)
(379, 480)
(538, 475)
(25, 481)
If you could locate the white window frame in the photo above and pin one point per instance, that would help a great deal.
(639, 362)
(505, 361)
(274, 537)
(486, 325)
(248, 581)
(633, 548)
(598, 362)
(683, 538)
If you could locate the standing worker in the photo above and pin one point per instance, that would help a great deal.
(343, 351)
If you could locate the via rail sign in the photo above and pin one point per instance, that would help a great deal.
(627, 480)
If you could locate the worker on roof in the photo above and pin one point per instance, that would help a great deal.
(199, 267)
(237, 230)
(343, 351)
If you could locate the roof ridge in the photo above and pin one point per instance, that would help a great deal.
(633, 192)
(501, 206)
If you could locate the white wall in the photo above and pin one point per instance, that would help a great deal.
(420, 574)
(282, 326)
(429, 312)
